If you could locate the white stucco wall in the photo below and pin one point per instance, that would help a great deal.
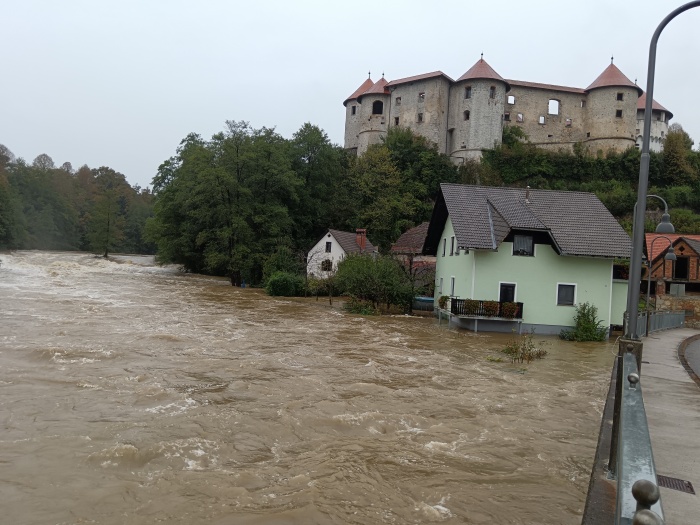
(318, 254)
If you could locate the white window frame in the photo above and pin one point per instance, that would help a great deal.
(515, 293)
(556, 294)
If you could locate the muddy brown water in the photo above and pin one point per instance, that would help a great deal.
(136, 394)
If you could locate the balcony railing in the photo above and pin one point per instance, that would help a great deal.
(489, 309)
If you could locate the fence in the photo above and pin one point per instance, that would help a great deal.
(656, 320)
(476, 308)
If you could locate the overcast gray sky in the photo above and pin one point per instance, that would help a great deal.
(120, 83)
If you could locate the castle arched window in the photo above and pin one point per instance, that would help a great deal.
(553, 108)
(511, 99)
(377, 107)
(466, 115)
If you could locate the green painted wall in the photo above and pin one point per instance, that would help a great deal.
(479, 273)
(619, 302)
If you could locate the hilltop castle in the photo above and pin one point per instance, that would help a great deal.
(466, 115)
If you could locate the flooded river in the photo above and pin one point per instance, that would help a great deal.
(135, 394)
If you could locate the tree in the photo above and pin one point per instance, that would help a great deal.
(677, 167)
(43, 162)
(106, 227)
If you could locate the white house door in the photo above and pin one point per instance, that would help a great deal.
(507, 293)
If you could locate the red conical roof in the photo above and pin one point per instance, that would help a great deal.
(367, 84)
(613, 77)
(379, 88)
(642, 104)
(482, 70)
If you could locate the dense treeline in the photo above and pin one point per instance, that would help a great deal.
(248, 202)
(50, 208)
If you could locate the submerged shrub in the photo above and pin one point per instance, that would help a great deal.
(587, 325)
(285, 284)
(523, 349)
(360, 306)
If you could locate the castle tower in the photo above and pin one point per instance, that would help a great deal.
(659, 124)
(374, 108)
(476, 105)
(611, 112)
(352, 115)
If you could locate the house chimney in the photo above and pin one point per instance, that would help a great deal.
(527, 194)
(361, 238)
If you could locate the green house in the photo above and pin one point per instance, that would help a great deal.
(518, 258)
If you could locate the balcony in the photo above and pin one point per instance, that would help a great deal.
(496, 310)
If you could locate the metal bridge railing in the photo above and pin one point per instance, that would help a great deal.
(638, 496)
(657, 320)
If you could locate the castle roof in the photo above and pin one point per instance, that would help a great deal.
(482, 70)
(379, 88)
(367, 84)
(613, 77)
(548, 87)
(655, 106)
(416, 78)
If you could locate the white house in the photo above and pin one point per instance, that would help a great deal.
(322, 260)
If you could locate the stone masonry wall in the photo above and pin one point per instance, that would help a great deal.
(689, 303)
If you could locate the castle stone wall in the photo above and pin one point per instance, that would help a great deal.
(608, 131)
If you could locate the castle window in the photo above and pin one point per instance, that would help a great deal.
(619, 96)
(568, 123)
(466, 115)
(588, 135)
(354, 110)
(492, 92)
(583, 103)
(396, 121)
(511, 99)
(662, 133)
(506, 116)
(421, 96)
(553, 108)
(420, 117)
(377, 107)
(541, 120)
(468, 92)
(618, 113)
(637, 131)
(519, 118)
(398, 101)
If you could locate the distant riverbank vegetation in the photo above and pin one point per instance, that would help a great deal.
(248, 203)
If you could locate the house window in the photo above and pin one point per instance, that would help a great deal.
(553, 107)
(468, 92)
(519, 118)
(566, 294)
(523, 245)
(329, 245)
(492, 92)
(618, 113)
(327, 265)
(421, 96)
(506, 294)
(452, 286)
(541, 119)
(568, 123)
(396, 121)
(619, 96)
(440, 288)
(377, 107)
(444, 246)
(452, 245)
(466, 115)
(506, 116)
(354, 109)
(420, 117)
(511, 99)
(398, 101)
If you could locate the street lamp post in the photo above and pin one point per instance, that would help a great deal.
(670, 256)
(630, 341)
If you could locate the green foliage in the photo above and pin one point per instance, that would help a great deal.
(442, 301)
(360, 306)
(523, 349)
(587, 325)
(379, 280)
(285, 284)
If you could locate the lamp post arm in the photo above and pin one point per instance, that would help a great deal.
(638, 228)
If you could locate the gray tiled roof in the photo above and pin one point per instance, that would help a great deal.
(578, 222)
(348, 242)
